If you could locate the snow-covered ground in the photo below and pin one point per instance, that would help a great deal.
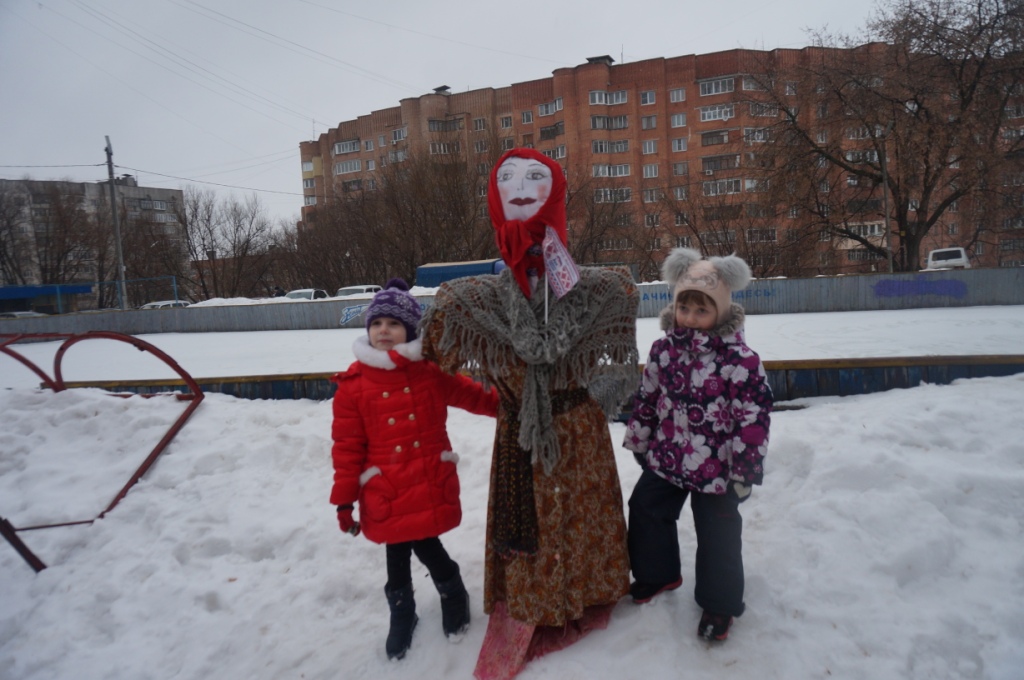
(887, 540)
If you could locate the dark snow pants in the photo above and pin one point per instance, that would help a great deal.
(654, 509)
(429, 551)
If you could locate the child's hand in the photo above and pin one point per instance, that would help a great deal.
(345, 521)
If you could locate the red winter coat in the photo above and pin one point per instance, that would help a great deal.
(391, 450)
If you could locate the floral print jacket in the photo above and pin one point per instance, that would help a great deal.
(703, 410)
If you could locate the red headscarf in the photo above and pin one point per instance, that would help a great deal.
(515, 238)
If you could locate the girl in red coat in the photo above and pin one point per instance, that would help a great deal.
(392, 454)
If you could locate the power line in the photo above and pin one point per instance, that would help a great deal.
(86, 165)
(217, 184)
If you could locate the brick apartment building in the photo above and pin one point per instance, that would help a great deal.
(659, 135)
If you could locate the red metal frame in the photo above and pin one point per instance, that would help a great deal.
(56, 383)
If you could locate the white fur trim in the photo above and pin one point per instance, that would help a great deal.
(368, 474)
(366, 354)
(450, 457)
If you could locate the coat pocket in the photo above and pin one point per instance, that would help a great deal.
(449, 477)
(375, 497)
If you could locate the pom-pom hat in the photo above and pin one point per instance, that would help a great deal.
(396, 302)
(717, 277)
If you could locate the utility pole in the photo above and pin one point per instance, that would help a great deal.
(885, 193)
(117, 225)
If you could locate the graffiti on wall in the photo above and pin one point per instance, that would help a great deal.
(921, 285)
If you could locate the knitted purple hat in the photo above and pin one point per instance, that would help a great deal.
(396, 302)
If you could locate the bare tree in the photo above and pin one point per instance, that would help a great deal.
(916, 120)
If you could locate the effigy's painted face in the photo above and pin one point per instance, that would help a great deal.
(524, 185)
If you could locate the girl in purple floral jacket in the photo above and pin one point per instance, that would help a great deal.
(700, 429)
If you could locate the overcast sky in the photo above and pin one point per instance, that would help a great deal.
(223, 91)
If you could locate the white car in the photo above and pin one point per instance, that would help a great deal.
(356, 290)
(307, 294)
(948, 258)
(164, 304)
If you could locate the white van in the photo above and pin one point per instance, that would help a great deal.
(948, 258)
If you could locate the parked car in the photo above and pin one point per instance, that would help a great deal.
(356, 290)
(307, 294)
(20, 315)
(164, 304)
(948, 258)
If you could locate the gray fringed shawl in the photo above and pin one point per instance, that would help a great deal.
(589, 341)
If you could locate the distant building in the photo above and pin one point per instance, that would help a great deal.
(59, 233)
(669, 137)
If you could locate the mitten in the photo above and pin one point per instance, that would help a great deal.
(741, 491)
(345, 521)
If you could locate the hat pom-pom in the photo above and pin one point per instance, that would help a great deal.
(397, 283)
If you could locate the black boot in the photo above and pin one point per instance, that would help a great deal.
(454, 605)
(403, 621)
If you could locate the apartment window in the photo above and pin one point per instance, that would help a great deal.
(309, 184)
(527, 117)
(480, 146)
(348, 146)
(679, 144)
(648, 122)
(444, 125)
(398, 155)
(649, 146)
(371, 165)
(852, 180)
(550, 108)
(862, 255)
(609, 122)
(159, 205)
(556, 153)
(601, 97)
(444, 148)
(599, 146)
(764, 110)
(677, 95)
(682, 168)
(714, 138)
(345, 167)
(721, 187)
(527, 141)
(307, 166)
(757, 135)
(752, 85)
(720, 238)
(824, 187)
(1016, 111)
(790, 88)
(618, 170)
(309, 200)
(398, 134)
(620, 146)
(352, 185)
(678, 120)
(761, 236)
(716, 112)
(952, 229)
(682, 219)
(794, 212)
(979, 248)
(652, 195)
(507, 143)
(713, 163)
(654, 244)
(506, 122)
(650, 170)
(821, 137)
(755, 185)
(623, 195)
(681, 193)
(861, 156)
(552, 131)
(718, 86)
(380, 141)
(866, 230)
(954, 207)
(652, 220)
(479, 124)
(646, 97)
